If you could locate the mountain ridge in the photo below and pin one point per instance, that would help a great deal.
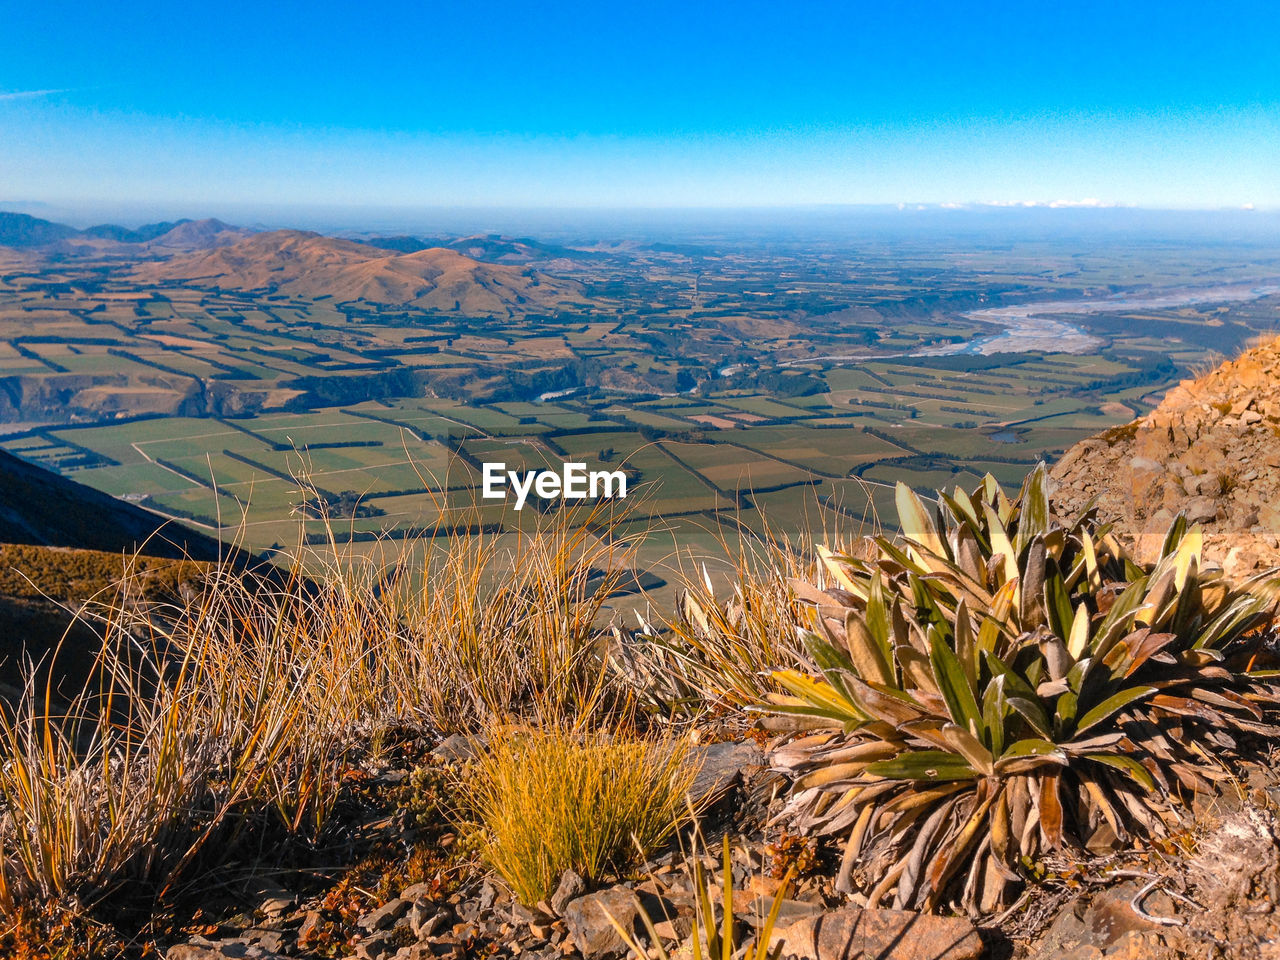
(22, 231)
(311, 265)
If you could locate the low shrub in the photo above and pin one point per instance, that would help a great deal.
(555, 800)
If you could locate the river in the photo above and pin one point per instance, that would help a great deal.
(1031, 327)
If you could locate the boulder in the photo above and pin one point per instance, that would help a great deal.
(589, 926)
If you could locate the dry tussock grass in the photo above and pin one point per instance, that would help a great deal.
(237, 708)
(594, 802)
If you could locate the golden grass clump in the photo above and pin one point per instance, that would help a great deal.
(556, 800)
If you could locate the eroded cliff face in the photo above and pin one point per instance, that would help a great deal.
(1210, 450)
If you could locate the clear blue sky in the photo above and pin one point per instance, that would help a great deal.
(640, 104)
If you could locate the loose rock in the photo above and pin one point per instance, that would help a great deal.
(856, 934)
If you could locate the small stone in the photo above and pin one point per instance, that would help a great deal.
(385, 916)
(455, 747)
(425, 919)
(789, 911)
(676, 929)
(722, 764)
(571, 887)
(311, 925)
(277, 906)
(590, 929)
(1200, 510)
(418, 891)
(375, 947)
(523, 914)
(272, 941)
(194, 951)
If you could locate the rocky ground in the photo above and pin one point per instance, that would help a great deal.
(1206, 894)
(1211, 450)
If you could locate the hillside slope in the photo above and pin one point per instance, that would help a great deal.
(309, 265)
(1211, 450)
(62, 543)
(204, 234)
(43, 509)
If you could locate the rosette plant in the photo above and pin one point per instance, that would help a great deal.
(997, 686)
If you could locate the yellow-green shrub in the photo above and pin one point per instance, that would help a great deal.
(551, 801)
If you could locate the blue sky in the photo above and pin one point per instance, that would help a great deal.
(650, 104)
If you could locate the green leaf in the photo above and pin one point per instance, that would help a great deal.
(1020, 694)
(871, 656)
(1126, 764)
(1116, 623)
(1057, 601)
(1177, 530)
(1113, 704)
(1029, 748)
(877, 616)
(995, 707)
(949, 674)
(1033, 519)
(923, 765)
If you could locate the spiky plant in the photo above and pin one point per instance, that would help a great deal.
(997, 686)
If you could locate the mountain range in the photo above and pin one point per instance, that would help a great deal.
(312, 266)
(491, 248)
(21, 231)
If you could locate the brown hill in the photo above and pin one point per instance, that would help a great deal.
(204, 234)
(312, 266)
(1211, 450)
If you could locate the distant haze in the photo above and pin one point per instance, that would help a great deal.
(828, 222)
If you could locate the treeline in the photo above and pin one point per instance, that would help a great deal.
(779, 383)
(346, 505)
(967, 362)
(401, 533)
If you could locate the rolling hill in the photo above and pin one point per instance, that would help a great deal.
(21, 231)
(312, 266)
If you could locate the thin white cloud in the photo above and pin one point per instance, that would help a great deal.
(27, 94)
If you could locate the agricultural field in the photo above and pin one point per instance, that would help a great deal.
(775, 392)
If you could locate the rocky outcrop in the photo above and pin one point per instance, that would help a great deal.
(1210, 450)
